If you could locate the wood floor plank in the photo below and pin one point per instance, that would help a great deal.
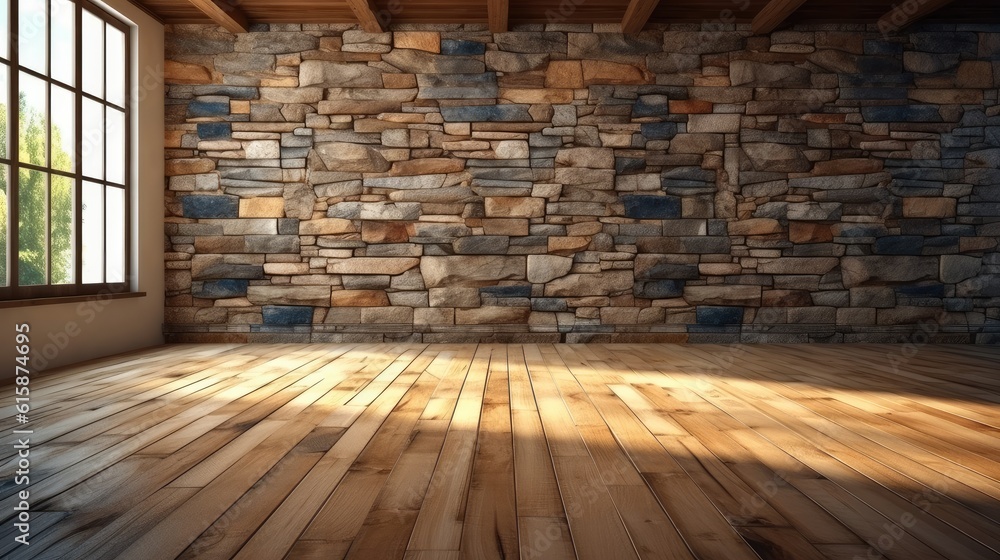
(469, 452)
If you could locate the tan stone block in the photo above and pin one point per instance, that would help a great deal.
(429, 41)
(184, 73)
(432, 316)
(537, 95)
(719, 269)
(755, 226)
(505, 226)
(286, 269)
(514, 207)
(262, 207)
(492, 315)
(427, 166)
(239, 107)
(327, 226)
(974, 74)
(359, 298)
(809, 232)
(723, 295)
(189, 166)
(173, 138)
(384, 232)
(690, 106)
(372, 265)
(607, 72)
(567, 245)
(458, 129)
(399, 81)
(564, 74)
(847, 166)
(929, 207)
(219, 244)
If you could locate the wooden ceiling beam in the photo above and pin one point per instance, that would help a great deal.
(499, 14)
(773, 14)
(226, 15)
(365, 11)
(637, 15)
(907, 13)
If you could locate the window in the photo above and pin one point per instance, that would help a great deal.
(64, 157)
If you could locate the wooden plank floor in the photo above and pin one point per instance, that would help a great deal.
(423, 452)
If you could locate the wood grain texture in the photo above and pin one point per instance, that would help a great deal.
(227, 15)
(365, 11)
(637, 15)
(773, 14)
(908, 13)
(416, 451)
(498, 12)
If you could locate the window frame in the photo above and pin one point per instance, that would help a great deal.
(12, 291)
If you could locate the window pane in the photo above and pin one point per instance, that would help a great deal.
(115, 234)
(62, 63)
(4, 10)
(116, 146)
(92, 150)
(31, 222)
(32, 119)
(93, 233)
(63, 150)
(61, 229)
(116, 66)
(3, 225)
(93, 54)
(4, 112)
(31, 34)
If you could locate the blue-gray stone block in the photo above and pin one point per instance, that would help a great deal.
(875, 46)
(462, 48)
(879, 64)
(287, 315)
(710, 315)
(659, 289)
(659, 131)
(506, 291)
(653, 106)
(921, 291)
(288, 226)
(549, 304)
(946, 43)
(868, 80)
(652, 207)
(232, 92)
(197, 109)
(899, 245)
(210, 206)
(215, 131)
(226, 288)
(487, 113)
(902, 113)
(628, 165)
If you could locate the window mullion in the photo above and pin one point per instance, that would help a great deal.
(13, 144)
(78, 143)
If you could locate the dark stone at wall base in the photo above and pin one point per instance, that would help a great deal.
(708, 315)
(287, 315)
(208, 206)
(659, 289)
(226, 288)
(549, 304)
(899, 245)
(506, 291)
(901, 113)
(652, 207)
(628, 165)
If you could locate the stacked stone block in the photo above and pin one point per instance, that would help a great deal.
(567, 182)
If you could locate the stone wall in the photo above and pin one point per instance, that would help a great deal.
(561, 182)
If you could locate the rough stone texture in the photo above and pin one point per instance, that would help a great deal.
(569, 184)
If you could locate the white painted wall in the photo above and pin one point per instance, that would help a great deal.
(69, 333)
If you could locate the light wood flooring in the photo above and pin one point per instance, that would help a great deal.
(427, 452)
